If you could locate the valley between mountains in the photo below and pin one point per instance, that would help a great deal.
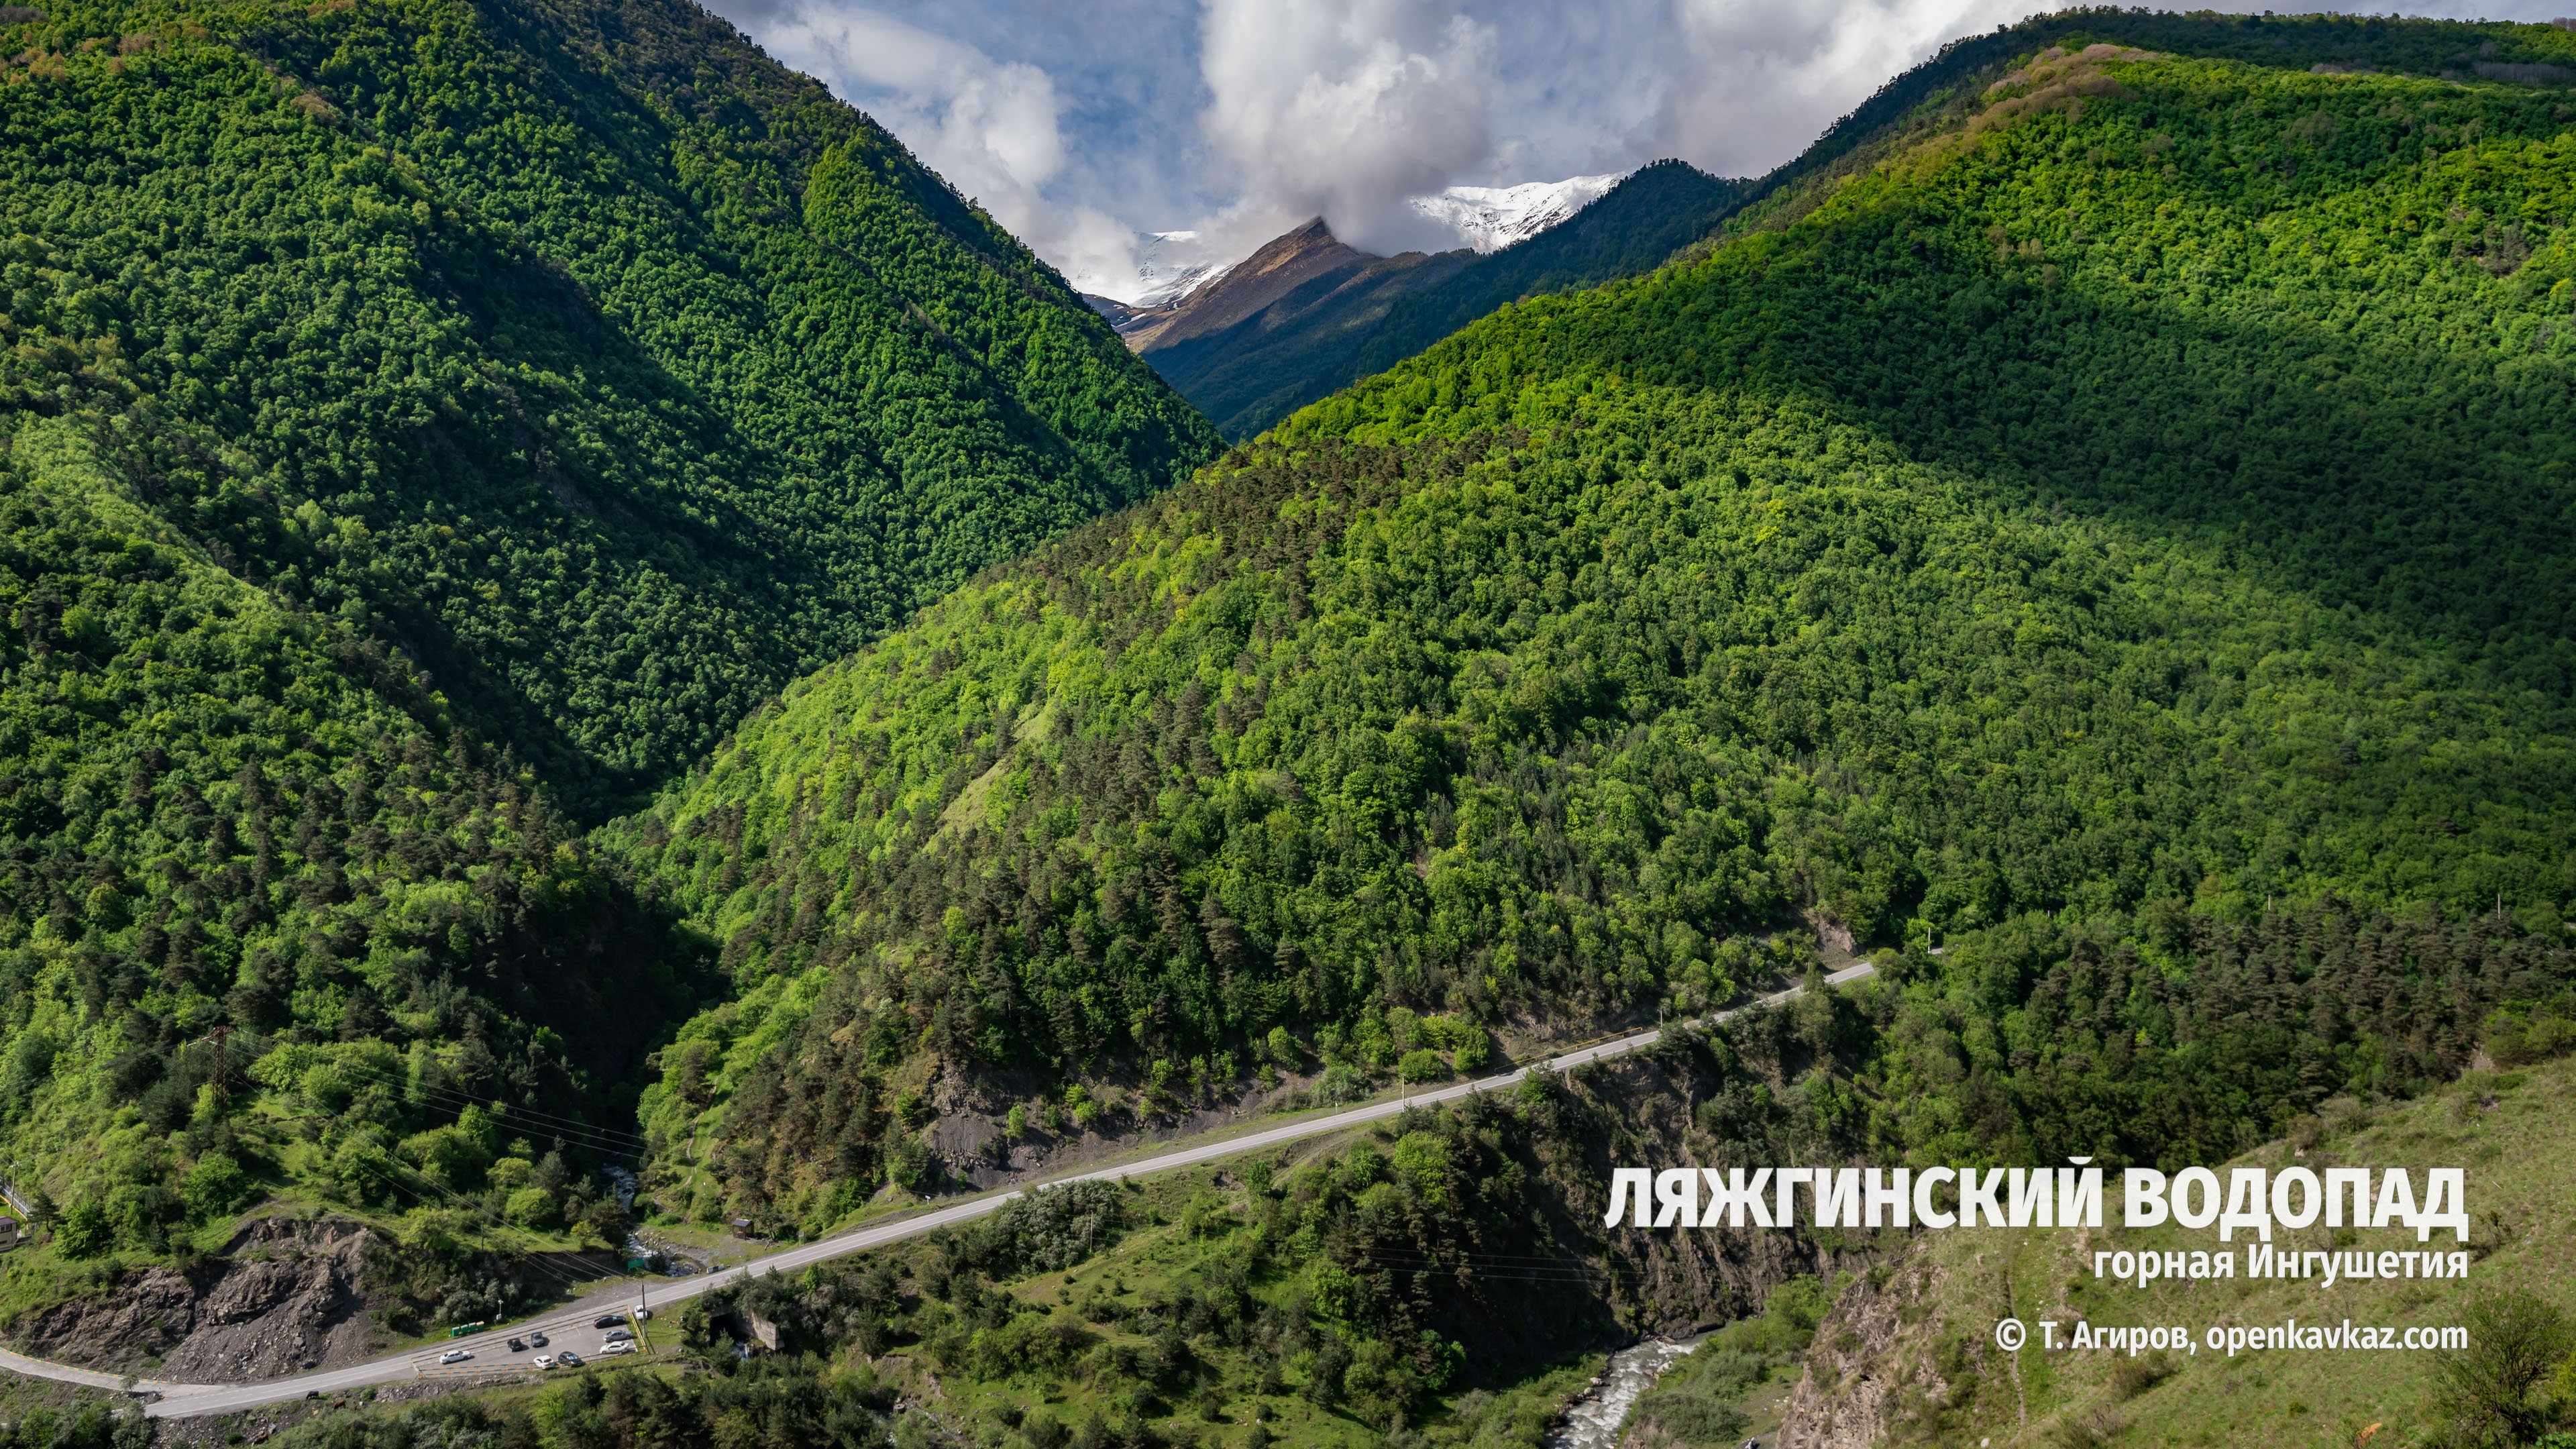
(603, 671)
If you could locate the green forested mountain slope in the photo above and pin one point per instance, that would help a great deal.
(616, 374)
(1253, 373)
(2112, 519)
(221, 814)
(424, 425)
(1639, 224)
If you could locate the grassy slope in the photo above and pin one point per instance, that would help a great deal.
(2513, 1131)
(2029, 518)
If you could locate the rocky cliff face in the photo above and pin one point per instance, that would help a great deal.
(1842, 1399)
(1284, 264)
(1675, 1281)
(287, 1296)
(1907, 1356)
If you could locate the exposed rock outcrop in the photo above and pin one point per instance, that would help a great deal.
(1870, 1346)
(1295, 259)
(287, 1296)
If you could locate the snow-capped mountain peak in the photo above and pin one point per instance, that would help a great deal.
(1170, 265)
(1490, 218)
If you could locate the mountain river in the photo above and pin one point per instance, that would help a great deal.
(1592, 1421)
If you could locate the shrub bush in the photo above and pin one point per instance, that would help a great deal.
(1423, 1065)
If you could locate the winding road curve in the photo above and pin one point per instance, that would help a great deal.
(193, 1399)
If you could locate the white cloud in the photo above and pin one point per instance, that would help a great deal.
(990, 127)
(1082, 123)
(1352, 107)
(1345, 108)
(1766, 79)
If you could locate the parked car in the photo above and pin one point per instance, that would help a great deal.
(608, 1320)
(517, 1347)
(454, 1355)
(537, 1339)
(570, 1359)
(615, 1334)
(616, 1345)
(543, 1360)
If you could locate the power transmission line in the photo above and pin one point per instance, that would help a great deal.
(598, 1139)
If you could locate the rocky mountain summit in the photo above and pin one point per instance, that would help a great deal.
(1251, 342)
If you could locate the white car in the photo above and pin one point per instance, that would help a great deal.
(544, 1360)
(454, 1355)
(616, 1345)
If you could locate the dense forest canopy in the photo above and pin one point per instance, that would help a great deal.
(2092, 533)
(2115, 514)
(611, 371)
(248, 849)
(424, 426)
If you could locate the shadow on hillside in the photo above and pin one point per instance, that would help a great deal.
(2404, 474)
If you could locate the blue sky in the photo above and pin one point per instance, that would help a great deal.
(1082, 124)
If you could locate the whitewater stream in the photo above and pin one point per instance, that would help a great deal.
(1592, 1421)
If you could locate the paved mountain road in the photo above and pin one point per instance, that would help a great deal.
(490, 1348)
